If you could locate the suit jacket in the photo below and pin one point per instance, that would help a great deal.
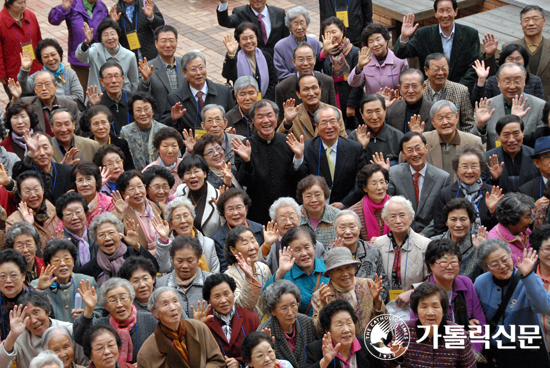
(241, 122)
(86, 146)
(302, 125)
(434, 156)
(218, 94)
(120, 110)
(59, 102)
(396, 113)
(314, 353)
(287, 89)
(350, 159)
(465, 51)
(386, 141)
(528, 169)
(159, 85)
(531, 120)
(246, 14)
(402, 183)
(534, 188)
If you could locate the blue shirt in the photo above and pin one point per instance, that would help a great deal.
(447, 42)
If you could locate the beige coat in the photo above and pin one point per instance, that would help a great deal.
(302, 125)
(46, 231)
(247, 294)
(86, 146)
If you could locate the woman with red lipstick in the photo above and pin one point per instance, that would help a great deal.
(87, 181)
(24, 238)
(102, 345)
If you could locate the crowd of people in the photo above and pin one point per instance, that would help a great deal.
(268, 221)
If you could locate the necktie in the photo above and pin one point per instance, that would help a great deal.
(262, 28)
(416, 187)
(200, 100)
(330, 162)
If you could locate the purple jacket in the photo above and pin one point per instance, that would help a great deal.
(74, 17)
(282, 57)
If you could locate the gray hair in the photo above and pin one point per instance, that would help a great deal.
(327, 107)
(103, 218)
(272, 294)
(212, 107)
(401, 200)
(155, 295)
(260, 104)
(62, 109)
(294, 13)
(176, 203)
(489, 246)
(243, 82)
(38, 73)
(348, 212)
(20, 228)
(55, 331)
(113, 283)
(411, 71)
(441, 104)
(509, 65)
(283, 202)
(45, 358)
(191, 55)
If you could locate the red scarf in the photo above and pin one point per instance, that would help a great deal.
(123, 328)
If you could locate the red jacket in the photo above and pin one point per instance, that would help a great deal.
(12, 35)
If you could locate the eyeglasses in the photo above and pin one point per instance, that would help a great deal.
(503, 261)
(101, 348)
(284, 219)
(112, 164)
(309, 59)
(309, 197)
(544, 250)
(515, 82)
(325, 123)
(535, 19)
(109, 34)
(440, 118)
(42, 85)
(146, 110)
(199, 69)
(438, 70)
(159, 187)
(472, 167)
(216, 120)
(109, 77)
(57, 261)
(20, 247)
(285, 309)
(36, 190)
(111, 234)
(299, 24)
(186, 215)
(95, 124)
(237, 208)
(261, 355)
(381, 183)
(445, 264)
(145, 278)
(123, 299)
(76, 213)
(544, 157)
(211, 152)
(87, 179)
(246, 39)
(13, 277)
(132, 190)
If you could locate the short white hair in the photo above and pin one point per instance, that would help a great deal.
(45, 358)
(176, 203)
(348, 212)
(401, 200)
(283, 202)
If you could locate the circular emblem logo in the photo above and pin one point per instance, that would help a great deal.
(387, 337)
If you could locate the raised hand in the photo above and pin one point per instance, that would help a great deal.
(329, 350)
(362, 136)
(121, 204)
(177, 111)
(329, 42)
(106, 173)
(59, 234)
(525, 265)
(338, 242)
(230, 44)
(483, 112)
(162, 228)
(415, 125)
(4, 178)
(231, 130)
(378, 158)
(88, 33)
(15, 88)
(66, 4)
(390, 95)
(46, 278)
(541, 202)
(518, 106)
(69, 159)
(365, 57)
(494, 167)
(31, 142)
(189, 140)
(18, 321)
(481, 236)
(267, 331)
(26, 60)
(286, 261)
(325, 293)
(241, 149)
(149, 9)
(375, 287)
(89, 296)
(26, 212)
(201, 313)
(271, 234)
(408, 28)
(296, 146)
(492, 199)
(291, 111)
(93, 97)
(481, 71)
(226, 173)
(490, 44)
(145, 70)
(131, 238)
(245, 265)
(113, 14)
(397, 349)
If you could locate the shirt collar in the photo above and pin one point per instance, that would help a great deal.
(443, 34)
(204, 90)
(296, 272)
(355, 347)
(264, 12)
(334, 146)
(422, 172)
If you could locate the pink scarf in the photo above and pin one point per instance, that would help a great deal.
(110, 264)
(146, 225)
(123, 329)
(370, 220)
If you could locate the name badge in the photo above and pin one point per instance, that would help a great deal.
(133, 41)
(343, 16)
(28, 49)
(259, 96)
(497, 144)
(395, 293)
(200, 132)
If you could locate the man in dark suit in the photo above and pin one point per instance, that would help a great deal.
(418, 181)
(304, 60)
(458, 42)
(185, 104)
(535, 187)
(270, 21)
(163, 74)
(335, 158)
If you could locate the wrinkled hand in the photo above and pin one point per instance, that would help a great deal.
(189, 140)
(338, 242)
(18, 321)
(325, 294)
(113, 14)
(481, 236)
(403, 298)
(415, 125)
(15, 88)
(490, 44)
(131, 238)
(245, 265)
(362, 136)
(106, 173)
(365, 57)
(271, 234)
(397, 349)
(46, 278)
(26, 212)
(231, 130)
(350, 111)
(149, 9)
(329, 42)
(93, 96)
(26, 60)
(69, 159)
(291, 111)
(375, 287)
(231, 362)
(31, 142)
(226, 173)
(525, 265)
(88, 294)
(390, 95)
(89, 32)
(241, 149)
(145, 70)
(408, 28)
(518, 106)
(378, 158)
(177, 111)
(483, 112)
(286, 261)
(120, 203)
(201, 313)
(495, 168)
(481, 71)
(541, 202)
(329, 351)
(4, 178)
(492, 199)
(297, 147)
(162, 228)
(231, 44)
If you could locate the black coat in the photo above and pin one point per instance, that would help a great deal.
(528, 170)
(534, 188)
(314, 354)
(121, 112)
(123, 145)
(359, 16)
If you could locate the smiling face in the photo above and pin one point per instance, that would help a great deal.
(303, 251)
(511, 82)
(314, 200)
(246, 97)
(544, 252)
(186, 263)
(248, 41)
(215, 124)
(86, 185)
(286, 218)
(235, 211)
(500, 264)
(515, 57)
(119, 303)
(63, 127)
(168, 150)
(262, 356)
(458, 223)
(50, 58)
(100, 126)
(343, 276)
(265, 121)
(104, 350)
(286, 311)
(182, 221)
(342, 329)
(310, 91)
(398, 219)
(298, 27)
(258, 5)
(25, 245)
(523, 224)
(109, 38)
(411, 87)
(437, 72)
(335, 33)
(143, 113)
(114, 162)
(194, 178)
(511, 138)
(378, 45)
(107, 238)
(376, 187)
(469, 169)
(112, 81)
(214, 155)
(64, 262)
(38, 321)
(20, 122)
(304, 60)
(415, 151)
(62, 346)
(222, 298)
(247, 246)
(347, 228)
(74, 217)
(11, 279)
(44, 86)
(532, 23)
(143, 284)
(430, 311)
(168, 310)
(445, 121)
(328, 126)
(158, 190)
(445, 14)
(44, 155)
(166, 44)
(374, 115)
(32, 193)
(136, 192)
(196, 73)
(445, 274)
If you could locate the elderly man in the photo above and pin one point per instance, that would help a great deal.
(510, 164)
(400, 113)
(418, 181)
(45, 101)
(512, 100)
(304, 59)
(445, 141)
(246, 93)
(331, 156)
(458, 42)
(69, 148)
(214, 122)
(299, 119)
(263, 162)
(535, 187)
(270, 21)
(538, 47)
(438, 87)
(162, 75)
(185, 104)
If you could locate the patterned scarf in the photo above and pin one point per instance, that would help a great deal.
(225, 321)
(19, 140)
(177, 338)
(110, 264)
(59, 73)
(340, 66)
(123, 328)
(41, 215)
(346, 293)
(473, 194)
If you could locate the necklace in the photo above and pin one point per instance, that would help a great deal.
(196, 203)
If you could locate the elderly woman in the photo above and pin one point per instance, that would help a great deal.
(229, 324)
(383, 69)
(186, 278)
(59, 340)
(104, 347)
(341, 346)
(339, 57)
(28, 321)
(177, 342)
(168, 143)
(292, 330)
(158, 180)
(430, 303)
(141, 273)
(362, 294)
(297, 20)
(108, 33)
(117, 297)
(514, 214)
(246, 94)
(244, 58)
(111, 157)
(373, 179)
(312, 192)
(49, 53)
(233, 206)
(19, 118)
(59, 282)
(511, 310)
(219, 173)
(131, 204)
(87, 181)
(400, 244)
(24, 238)
(193, 170)
(242, 253)
(34, 208)
(180, 216)
(258, 351)
(46, 359)
(348, 227)
(108, 232)
(468, 165)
